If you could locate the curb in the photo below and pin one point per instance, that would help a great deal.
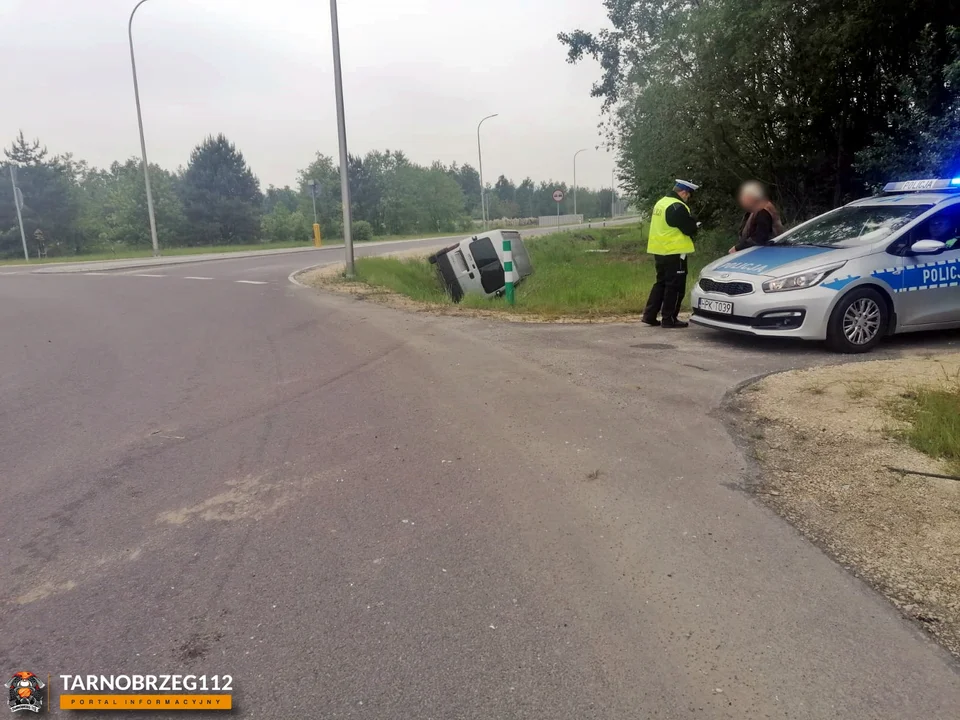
(292, 277)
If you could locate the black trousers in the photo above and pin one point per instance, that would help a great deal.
(669, 290)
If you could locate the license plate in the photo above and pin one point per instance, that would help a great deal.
(717, 306)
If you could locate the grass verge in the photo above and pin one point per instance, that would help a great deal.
(134, 253)
(583, 273)
(933, 422)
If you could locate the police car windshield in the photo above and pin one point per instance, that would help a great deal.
(852, 226)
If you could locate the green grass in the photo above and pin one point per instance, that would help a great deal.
(567, 280)
(933, 416)
(414, 278)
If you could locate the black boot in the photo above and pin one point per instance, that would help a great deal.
(651, 322)
(673, 323)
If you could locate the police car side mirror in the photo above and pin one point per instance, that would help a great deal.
(927, 247)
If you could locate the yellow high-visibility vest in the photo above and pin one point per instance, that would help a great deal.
(664, 239)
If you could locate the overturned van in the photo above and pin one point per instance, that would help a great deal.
(475, 265)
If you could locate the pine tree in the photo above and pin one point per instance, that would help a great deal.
(26, 153)
(221, 196)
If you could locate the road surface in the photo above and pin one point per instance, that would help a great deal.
(358, 512)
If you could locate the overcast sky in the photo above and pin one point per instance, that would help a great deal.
(418, 76)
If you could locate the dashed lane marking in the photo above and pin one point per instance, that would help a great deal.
(148, 275)
(95, 273)
(252, 282)
(196, 277)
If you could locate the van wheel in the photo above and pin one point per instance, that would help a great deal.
(858, 322)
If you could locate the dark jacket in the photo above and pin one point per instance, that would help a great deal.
(678, 216)
(759, 227)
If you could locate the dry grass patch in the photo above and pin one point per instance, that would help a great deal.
(829, 439)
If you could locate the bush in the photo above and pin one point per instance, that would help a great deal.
(281, 225)
(466, 224)
(362, 231)
(331, 228)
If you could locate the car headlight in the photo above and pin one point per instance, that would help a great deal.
(799, 281)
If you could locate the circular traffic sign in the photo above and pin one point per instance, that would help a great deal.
(558, 195)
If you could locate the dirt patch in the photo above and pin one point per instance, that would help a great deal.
(826, 440)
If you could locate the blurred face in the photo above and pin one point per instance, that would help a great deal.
(684, 194)
(750, 197)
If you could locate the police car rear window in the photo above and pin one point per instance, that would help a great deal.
(853, 226)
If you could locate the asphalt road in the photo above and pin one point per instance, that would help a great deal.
(357, 512)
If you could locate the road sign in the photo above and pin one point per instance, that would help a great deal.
(558, 198)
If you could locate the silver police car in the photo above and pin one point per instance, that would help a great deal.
(878, 266)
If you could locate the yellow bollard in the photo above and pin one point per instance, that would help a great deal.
(317, 240)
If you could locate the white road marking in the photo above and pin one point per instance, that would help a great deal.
(96, 273)
(148, 275)
(252, 282)
(197, 277)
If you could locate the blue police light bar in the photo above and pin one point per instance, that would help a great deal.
(920, 185)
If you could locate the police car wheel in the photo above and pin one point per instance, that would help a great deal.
(859, 322)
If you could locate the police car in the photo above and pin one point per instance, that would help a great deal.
(878, 266)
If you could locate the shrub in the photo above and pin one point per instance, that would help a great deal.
(362, 231)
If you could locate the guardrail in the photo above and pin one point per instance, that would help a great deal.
(554, 220)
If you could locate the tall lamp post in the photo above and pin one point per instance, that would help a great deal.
(342, 134)
(575, 178)
(18, 204)
(613, 192)
(313, 185)
(143, 142)
(483, 204)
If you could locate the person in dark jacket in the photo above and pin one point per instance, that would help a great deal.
(761, 221)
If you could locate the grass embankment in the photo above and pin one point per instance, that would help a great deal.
(570, 277)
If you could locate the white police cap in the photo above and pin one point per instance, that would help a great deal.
(687, 185)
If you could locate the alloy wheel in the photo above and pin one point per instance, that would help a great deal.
(861, 321)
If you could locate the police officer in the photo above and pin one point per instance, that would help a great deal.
(672, 229)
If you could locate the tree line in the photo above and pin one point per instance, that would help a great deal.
(823, 100)
(73, 208)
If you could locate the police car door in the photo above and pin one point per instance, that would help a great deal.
(930, 293)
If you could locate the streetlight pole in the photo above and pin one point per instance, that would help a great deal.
(483, 205)
(342, 134)
(18, 203)
(143, 142)
(575, 178)
(313, 191)
(613, 192)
